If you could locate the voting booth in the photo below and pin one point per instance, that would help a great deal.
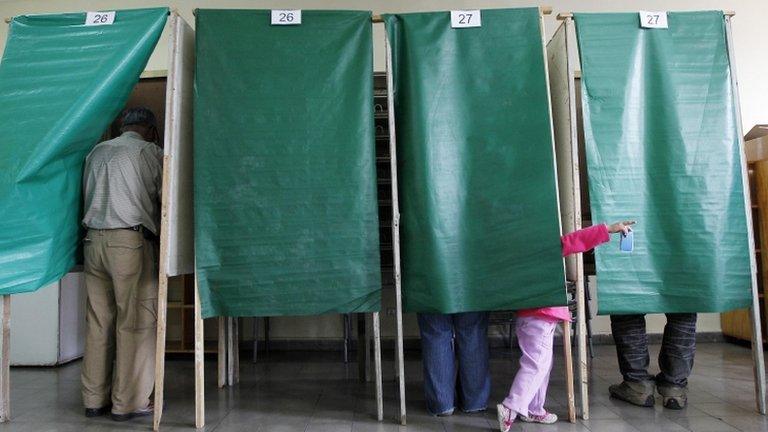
(476, 170)
(286, 217)
(65, 78)
(668, 152)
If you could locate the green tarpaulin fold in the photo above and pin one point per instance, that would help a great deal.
(286, 216)
(662, 143)
(61, 84)
(478, 198)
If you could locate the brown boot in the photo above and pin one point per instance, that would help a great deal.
(636, 393)
(674, 397)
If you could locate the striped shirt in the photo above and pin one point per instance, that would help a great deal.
(121, 184)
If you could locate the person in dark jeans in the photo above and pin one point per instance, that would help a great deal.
(675, 360)
(455, 354)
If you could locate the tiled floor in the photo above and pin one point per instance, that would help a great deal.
(316, 392)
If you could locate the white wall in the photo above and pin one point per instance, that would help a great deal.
(749, 31)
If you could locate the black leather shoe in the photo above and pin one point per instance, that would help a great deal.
(97, 412)
(149, 410)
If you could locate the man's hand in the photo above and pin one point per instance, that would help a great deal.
(624, 227)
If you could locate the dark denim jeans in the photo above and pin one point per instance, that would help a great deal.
(677, 348)
(440, 357)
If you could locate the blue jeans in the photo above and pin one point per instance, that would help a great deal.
(440, 353)
(677, 348)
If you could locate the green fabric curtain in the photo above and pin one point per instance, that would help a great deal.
(286, 216)
(61, 84)
(662, 147)
(480, 228)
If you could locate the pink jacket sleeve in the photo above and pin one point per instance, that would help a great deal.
(584, 239)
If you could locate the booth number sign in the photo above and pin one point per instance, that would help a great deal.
(286, 16)
(649, 19)
(99, 18)
(465, 18)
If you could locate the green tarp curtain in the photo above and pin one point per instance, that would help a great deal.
(478, 198)
(662, 144)
(61, 84)
(286, 218)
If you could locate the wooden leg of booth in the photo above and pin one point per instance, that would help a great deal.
(377, 366)
(581, 340)
(757, 357)
(5, 373)
(230, 351)
(199, 364)
(569, 371)
(221, 362)
(236, 349)
(162, 314)
(400, 357)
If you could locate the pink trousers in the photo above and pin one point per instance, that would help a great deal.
(529, 389)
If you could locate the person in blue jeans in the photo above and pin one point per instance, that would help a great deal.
(455, 355)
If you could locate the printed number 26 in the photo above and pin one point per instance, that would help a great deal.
(100, 18)
(465, 18)
(286, 16)
(653, 19)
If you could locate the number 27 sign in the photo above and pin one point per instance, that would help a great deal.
(465, 18)
(649, 19)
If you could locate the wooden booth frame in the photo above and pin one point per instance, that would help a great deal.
(178, 155)
(562, 53)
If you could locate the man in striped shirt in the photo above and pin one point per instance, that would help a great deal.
(121, 185)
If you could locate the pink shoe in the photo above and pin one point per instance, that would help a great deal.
(506, 417)
(547, 418)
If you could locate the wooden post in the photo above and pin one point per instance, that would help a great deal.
(199, 363)
(5, 373)
(230, 351)
(162, 300)
(569, 371)
(236, 349)
(757, 332)
(569, 222)
(562, 75)
(377, 363)
(222, 352)
(399, 353)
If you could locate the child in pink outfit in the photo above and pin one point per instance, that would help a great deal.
(535, 335)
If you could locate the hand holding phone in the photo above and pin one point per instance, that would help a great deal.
(627, 241)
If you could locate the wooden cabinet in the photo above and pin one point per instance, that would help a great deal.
(736, 324)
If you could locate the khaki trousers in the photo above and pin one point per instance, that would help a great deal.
(121, 320)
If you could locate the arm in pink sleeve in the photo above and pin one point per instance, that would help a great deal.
(584, 239)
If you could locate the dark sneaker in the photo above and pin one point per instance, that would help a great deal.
(674, 397)
(97, 412)
(636, 393)
(149, 410)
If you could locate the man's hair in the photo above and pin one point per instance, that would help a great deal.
(137, 116)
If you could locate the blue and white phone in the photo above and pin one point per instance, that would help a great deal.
(627, 242)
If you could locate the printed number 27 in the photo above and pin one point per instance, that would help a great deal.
(286, 17)
(100, 18)
(465, 18)
(653, 19)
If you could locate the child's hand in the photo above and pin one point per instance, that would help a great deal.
(624, 227)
